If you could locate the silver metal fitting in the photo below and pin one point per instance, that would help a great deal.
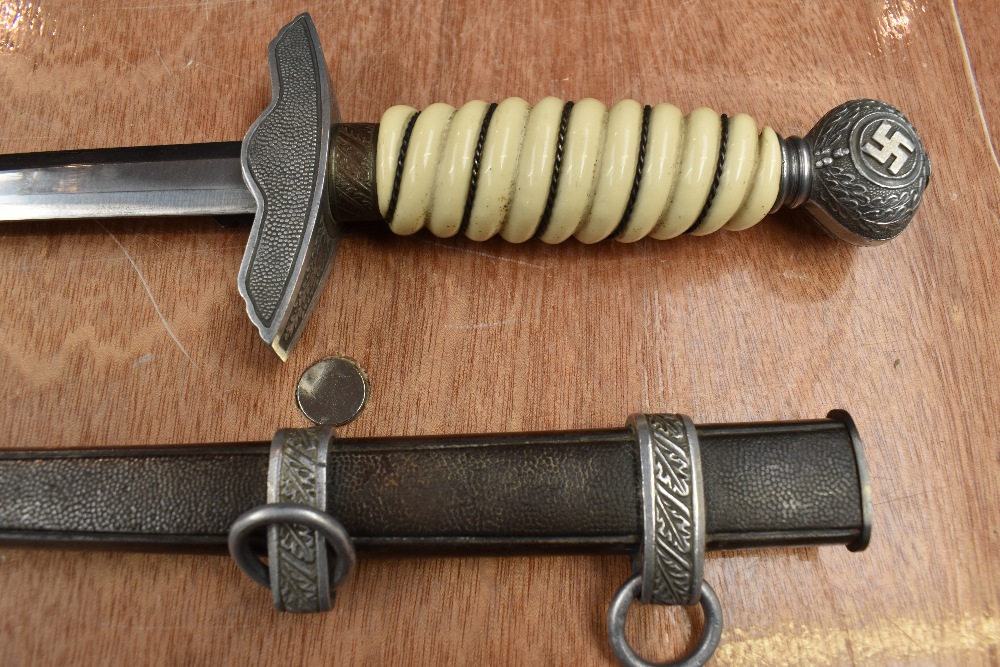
(673, 509)
(298, 528)
(860, 173)
(670, 564)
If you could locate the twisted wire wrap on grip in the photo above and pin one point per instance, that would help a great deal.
(561, 169)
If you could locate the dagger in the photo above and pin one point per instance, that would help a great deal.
(550, 171)
(661, 490)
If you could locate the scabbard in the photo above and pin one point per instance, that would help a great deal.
(762, 484)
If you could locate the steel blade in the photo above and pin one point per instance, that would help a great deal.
(181, 180)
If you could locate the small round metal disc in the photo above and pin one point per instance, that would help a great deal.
(332, 391)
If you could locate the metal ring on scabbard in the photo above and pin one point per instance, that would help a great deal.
(618, 613)
(669, 566)
(298, 527)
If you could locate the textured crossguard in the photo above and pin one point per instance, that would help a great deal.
(661, 489)
(550, 171)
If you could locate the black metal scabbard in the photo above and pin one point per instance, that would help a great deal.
(764, 484)
(661, 489)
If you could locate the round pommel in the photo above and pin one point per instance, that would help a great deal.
(861, 172)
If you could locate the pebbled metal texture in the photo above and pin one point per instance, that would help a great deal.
(188, 496)
(572, 491)
(353, 196)
(869, 172)
(297, 557)
(284, 160)
(567, 492)
(802, 475)
(673, 550)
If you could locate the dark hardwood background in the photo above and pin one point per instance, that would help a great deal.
(132, 332)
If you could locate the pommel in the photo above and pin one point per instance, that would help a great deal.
(860, 172)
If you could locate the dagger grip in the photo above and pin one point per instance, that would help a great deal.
(575, 491)
(559, 169)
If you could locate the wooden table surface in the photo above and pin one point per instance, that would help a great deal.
(132, 332)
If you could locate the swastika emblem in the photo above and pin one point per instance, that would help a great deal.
(897, 146)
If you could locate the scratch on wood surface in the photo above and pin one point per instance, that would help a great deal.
(889, 641)
(208, 4)
(482, 325)
(943, 373)
(907, 496)
(195, 62)
(143, 360)
(163, 63)
(142, 72)
(904, 632)
(496, 258)
(971, 76)
(149, 293)
(46, 265)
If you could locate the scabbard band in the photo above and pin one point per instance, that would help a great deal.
(673, 507)
(297, 555)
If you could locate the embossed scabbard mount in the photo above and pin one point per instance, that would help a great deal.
(662, 490)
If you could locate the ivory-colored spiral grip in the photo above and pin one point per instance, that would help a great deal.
(561, 169)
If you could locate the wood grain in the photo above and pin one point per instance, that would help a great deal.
(130, 332)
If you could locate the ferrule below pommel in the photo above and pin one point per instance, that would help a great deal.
(860, 172)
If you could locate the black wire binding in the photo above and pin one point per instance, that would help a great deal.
(398, 180)
(474, 177)
(718, 175)
(640, 163)
(543, 223)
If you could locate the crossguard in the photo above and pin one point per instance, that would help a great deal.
(284, 157)
(561, 169)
